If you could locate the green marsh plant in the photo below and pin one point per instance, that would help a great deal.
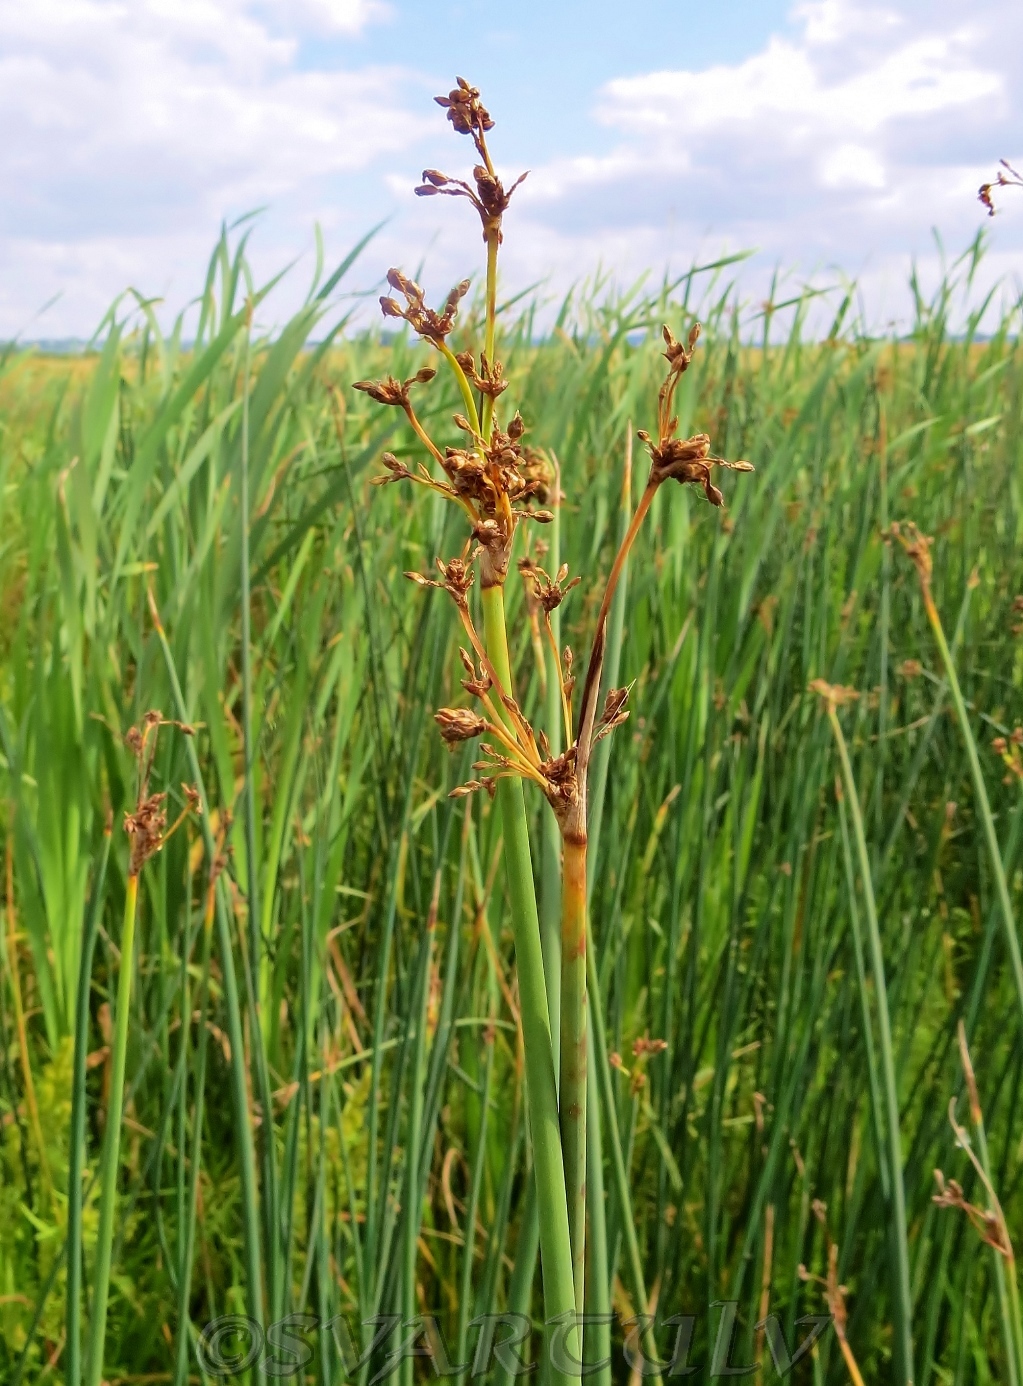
(493, 477)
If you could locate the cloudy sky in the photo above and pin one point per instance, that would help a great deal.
(831, 136)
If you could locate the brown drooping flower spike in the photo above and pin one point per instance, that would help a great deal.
(682, 459)
(1006, 177)
(146, 826)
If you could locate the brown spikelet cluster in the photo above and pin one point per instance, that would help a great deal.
(487, 194)
(1006, 177)
(499, 480)
(989, 1222)
(682, 459)
(834, 694)
(424, 321)
(917, 547)
(146, 825)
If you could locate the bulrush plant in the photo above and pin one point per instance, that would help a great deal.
(497, 479)
(147, 832)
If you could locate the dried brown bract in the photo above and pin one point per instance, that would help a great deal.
(460, 724)
(614, 714)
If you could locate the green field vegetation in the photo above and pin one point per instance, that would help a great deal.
(359, 1145)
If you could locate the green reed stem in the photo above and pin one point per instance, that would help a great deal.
(903, 1292)
(192, 1207)
(572, 1089)
(541, 1083)
(76, 1157)
(112, 1142)
(239, 1085)
(598, 1287)
(980, 790)
(635, 1260)
(463, 383)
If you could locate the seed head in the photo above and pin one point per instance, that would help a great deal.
(479, 682)
(917, 547)
(466, 111)
(396, 471)
(430, 325)
(834, 694)
(394, 392)
(550, 594)
(456, 579)
(469, 116)
(489, 379)
(145, 829)
(686, 460)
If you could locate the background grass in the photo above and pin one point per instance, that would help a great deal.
(383, 1088)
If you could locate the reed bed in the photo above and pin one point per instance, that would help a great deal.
(324, 1108)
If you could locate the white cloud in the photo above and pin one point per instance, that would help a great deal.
(134, 122)
(852, 166)
(840, 143)
(784, 85)
(131, 127)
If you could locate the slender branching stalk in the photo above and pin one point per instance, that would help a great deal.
(492, 478)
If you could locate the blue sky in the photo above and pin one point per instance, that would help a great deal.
(832, 136)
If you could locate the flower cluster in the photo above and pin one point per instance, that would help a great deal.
(682, 459)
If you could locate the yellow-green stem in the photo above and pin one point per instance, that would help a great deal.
(112, 1143)
(541, 1090)
(572, 1092)
(463, 383)
(491, 330)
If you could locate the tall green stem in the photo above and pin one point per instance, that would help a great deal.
(112, 1142)
(980, 790)
(192, 1209)
(902, 1285)
(541, 1087)
(76, 1159)
(635, 1261)
(239, 1088)
(572, 1090)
